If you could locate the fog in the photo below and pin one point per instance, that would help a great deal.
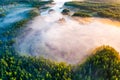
(15, 14)
(66, 39)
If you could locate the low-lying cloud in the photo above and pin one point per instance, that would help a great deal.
(68, 41)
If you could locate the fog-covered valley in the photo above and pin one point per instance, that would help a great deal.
(59, 40)
(64, 38)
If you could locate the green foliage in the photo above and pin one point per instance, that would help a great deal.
(9, 33)
(2, 15)
(107, 10)
(81, 14)
(104, 64)
(45, 7)
(32, 68)
(66, 11)
(34, 2)
(33, 13)
(39, 3)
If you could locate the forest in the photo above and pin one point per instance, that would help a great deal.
(96, 9)
(102, 64)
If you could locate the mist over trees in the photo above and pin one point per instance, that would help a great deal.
(5, 2)
(34, 3)
(103, 64)
(96, 9)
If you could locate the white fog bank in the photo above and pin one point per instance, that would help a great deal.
(63, 38)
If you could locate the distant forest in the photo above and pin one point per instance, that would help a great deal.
(4, 2)
(104, 0)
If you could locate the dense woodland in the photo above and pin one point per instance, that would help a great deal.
(96, 9)
(104, 64)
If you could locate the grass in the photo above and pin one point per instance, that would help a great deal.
(105, 10)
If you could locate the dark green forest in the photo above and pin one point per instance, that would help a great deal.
(104, 64)
(96, 9)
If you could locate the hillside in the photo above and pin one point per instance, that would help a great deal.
(103, 65)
